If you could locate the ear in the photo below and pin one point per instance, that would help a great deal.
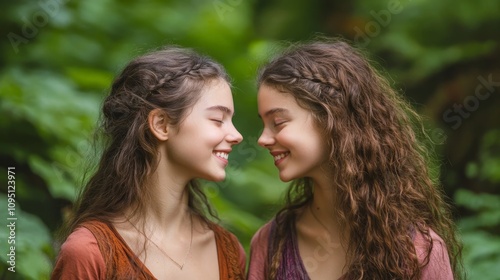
(158, 124)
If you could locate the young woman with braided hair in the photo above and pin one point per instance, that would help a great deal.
(362, 204)
(166, 122)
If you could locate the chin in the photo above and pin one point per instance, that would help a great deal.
(285, 178)
(216, 177)
(219, 179)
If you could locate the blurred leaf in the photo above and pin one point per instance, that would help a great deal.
(88, 78)
(481, 255)
(480, 201)
(55, 175)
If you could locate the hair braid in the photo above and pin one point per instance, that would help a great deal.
(176, 76)
(383, 187)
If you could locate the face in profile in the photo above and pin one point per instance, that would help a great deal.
(290, 135)
(200, 146)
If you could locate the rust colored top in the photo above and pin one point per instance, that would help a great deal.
(95, 250)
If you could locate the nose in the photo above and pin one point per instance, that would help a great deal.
(266, 139)
(234, 136)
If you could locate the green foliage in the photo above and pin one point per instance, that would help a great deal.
(31, 241)
(481, 244)
(54, 74)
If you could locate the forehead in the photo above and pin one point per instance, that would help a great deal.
(215, 93)
(270, 99)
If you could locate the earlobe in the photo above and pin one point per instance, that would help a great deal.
(158, 124)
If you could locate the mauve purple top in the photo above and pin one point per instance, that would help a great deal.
(438, 268)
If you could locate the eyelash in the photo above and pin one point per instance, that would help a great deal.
(279, 123)
(218, 121)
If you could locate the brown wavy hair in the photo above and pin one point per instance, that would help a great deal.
(384, 189)
(170, 79)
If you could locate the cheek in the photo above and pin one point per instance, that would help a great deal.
(286, 140)
(213, 135)
(312, 148)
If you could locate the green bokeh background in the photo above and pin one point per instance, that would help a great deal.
(58, 57)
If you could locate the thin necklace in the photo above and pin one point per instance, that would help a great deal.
(318, 220)
(161, 250)
(337, 244)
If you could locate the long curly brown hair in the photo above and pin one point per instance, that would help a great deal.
(384, 189)
(170, 79)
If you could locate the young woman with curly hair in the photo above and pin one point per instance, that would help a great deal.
(362, 204)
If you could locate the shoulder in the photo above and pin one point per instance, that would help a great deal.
(79, 257)
(80, 242)
(261, 237)
(423, 244)
(220, 233)
(438, 262)
(236, 243)
(258, 252)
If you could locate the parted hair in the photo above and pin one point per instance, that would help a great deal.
(170, 79)
(384, 190)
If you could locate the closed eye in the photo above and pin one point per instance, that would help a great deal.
(276, 124)
(218, 121)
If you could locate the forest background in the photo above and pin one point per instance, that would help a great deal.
(58, 58)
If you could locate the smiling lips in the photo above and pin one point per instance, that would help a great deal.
(222, 156)
(279, 156)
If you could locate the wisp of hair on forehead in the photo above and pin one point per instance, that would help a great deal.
(378, 165)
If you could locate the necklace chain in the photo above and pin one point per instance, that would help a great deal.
(329, 234)
(318, 220)
(180, 266)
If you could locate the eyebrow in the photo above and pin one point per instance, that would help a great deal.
(274, 111)
(224, 109)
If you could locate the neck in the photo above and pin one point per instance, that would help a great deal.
(167, 208)
(317, 221)
(323, 206)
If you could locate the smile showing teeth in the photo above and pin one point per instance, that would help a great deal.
(280, 156)
(222, 155)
